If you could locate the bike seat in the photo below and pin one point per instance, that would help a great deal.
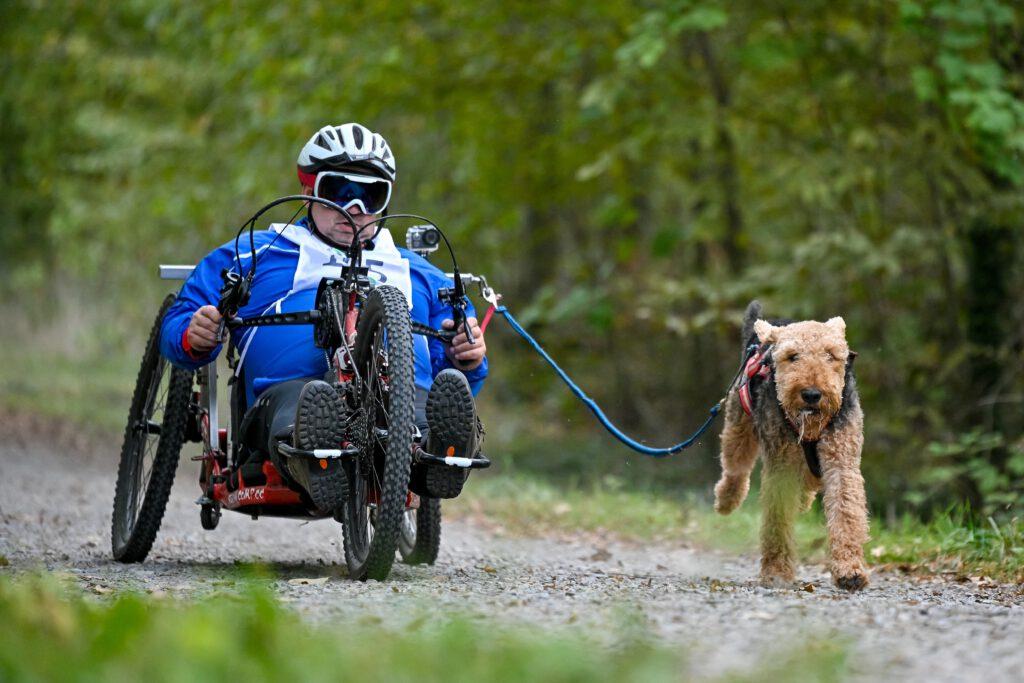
(285, 433)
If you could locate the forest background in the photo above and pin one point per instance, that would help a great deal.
(628, 174)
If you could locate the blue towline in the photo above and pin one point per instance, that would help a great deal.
(596, 409)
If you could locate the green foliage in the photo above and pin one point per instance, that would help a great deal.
(250, 636)
(957, 541)
(628, 175)
(980, 463)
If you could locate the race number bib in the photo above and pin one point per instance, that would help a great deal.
(318, 260)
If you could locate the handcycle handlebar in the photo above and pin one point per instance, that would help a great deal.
(313, 317)
(235, 292)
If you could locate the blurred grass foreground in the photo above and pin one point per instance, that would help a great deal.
(52, 633)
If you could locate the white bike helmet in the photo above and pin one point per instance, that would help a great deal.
(350, 146)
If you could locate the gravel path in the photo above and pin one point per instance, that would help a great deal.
(898, 628)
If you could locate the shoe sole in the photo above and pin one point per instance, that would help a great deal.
(451, 412)
(316, 426)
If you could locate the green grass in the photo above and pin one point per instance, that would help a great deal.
(949, 542)
(526, 504)
(89, 388)
(953, 542)
(250, 636)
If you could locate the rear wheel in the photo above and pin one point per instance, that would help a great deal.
(420, 539)
(149, 454)
(379, 479)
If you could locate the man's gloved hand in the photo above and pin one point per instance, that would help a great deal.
(461, 353)
(202, 329)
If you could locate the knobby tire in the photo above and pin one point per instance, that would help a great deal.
(423, 547)
(384, 317)
(132, 538)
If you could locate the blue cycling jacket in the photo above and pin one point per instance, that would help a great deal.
(275, 354)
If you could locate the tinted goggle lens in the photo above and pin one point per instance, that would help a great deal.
(370, 194)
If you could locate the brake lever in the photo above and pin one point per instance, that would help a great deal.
(459, 318)
(233, 295)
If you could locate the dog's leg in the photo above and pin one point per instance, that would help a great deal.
(739, 452)
(846, 510)
(812, 485)
(781, 488)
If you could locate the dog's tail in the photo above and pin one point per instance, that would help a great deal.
(752, 315)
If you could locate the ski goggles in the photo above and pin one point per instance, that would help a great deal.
(369, 193)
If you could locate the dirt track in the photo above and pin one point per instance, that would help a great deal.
(710, 604)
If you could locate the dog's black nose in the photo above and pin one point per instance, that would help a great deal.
(811, 396)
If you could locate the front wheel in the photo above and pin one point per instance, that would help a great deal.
(379, 478)
(149, 455)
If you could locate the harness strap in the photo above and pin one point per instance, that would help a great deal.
(811, 456)
(757, 366)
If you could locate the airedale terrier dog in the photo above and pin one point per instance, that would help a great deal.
(796, 404)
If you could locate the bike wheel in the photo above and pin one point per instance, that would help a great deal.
(379, 478)
(420, 539)
(149, 454)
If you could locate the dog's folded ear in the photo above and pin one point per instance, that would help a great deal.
(766, 332)
(837, 324)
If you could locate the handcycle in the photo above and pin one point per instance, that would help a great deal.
(365, 330)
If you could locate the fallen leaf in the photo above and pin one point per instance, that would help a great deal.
(601, 555)
(490, 570)
(809, 587)
(319, 581)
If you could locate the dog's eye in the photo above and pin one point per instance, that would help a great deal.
(792, 358)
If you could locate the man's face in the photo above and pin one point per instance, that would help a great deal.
(334, 225)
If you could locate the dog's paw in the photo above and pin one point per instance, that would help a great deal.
(850, 578)
(728, 495)
(724, 507)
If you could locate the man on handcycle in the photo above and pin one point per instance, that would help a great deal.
(283, 392)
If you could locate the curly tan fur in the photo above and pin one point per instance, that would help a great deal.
(809, 358)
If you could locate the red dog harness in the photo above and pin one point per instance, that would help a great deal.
(757, 366)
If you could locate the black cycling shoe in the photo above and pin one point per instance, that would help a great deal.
(455, 430)
(318, 425)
